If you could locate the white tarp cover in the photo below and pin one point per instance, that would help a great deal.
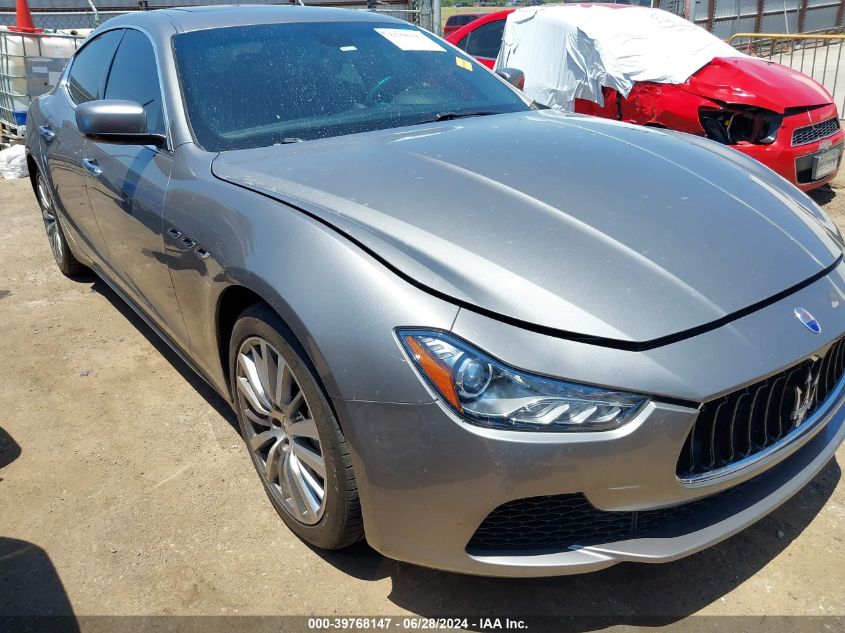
(569, 52)
(13, 163)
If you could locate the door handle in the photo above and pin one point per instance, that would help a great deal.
(92, 166)
(46, 132)
(181, 240)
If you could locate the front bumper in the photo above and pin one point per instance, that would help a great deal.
(424, 504)
(428, 480)
(794, 162)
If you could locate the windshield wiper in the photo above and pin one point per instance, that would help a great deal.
(448, 116)
(290, 139)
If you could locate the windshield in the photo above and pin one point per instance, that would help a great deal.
(256, 86)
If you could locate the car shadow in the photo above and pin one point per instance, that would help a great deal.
(32, 596)
(200, 386)
(627, 594)
(822, 195)
(9, 449)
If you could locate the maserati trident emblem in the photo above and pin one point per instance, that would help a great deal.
(808, 320)
(805, 399)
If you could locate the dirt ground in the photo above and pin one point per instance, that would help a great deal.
(124, 489)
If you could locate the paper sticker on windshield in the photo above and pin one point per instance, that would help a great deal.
(410, 40)
(460, 61)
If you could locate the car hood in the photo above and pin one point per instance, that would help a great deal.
(748, 81)
(577, 224)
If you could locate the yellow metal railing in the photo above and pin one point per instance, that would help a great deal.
(788, 36)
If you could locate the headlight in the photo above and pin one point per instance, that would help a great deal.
(733, 124)
(488, 393)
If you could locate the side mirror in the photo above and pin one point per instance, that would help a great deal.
(514, 77)
(116, 121)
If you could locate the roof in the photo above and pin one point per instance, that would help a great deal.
(219, 16)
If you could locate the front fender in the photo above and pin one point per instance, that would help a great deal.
(340, 303)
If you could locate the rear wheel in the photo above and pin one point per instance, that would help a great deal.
(291, 433)
(67, 263)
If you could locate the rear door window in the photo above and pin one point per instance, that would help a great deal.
(91, 65)
(484, 41)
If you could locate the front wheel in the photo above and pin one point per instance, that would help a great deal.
(291, 433)
(67, 263)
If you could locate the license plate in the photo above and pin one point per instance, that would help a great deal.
(826, 162)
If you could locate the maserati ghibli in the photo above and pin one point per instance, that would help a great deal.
(443, 321)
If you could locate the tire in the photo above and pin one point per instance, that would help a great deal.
(290, 430)
(68, 264)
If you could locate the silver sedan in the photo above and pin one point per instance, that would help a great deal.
(493, 338)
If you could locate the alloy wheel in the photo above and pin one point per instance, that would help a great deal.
(51, 223)
(280, 430)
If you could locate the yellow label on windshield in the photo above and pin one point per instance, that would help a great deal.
(460, 61)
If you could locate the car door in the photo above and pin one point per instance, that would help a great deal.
(63, 144)
(126, 186)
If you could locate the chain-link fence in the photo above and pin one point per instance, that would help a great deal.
(79, 14)
(63, 20)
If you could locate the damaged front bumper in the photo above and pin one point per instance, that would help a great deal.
(808, 148)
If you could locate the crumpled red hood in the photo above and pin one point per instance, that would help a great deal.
(748, 81)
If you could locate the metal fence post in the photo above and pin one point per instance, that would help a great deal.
(802, 15)
(711, 13)
(95, 12)
(435, 9)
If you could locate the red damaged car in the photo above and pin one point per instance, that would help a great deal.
(651, 67)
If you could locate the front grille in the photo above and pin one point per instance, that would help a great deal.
(811, 133)
(561, 522)
(750, 420)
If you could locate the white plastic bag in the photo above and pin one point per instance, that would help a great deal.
(13, 163)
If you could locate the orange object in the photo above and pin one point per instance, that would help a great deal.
(23, 19)
(436, 372)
